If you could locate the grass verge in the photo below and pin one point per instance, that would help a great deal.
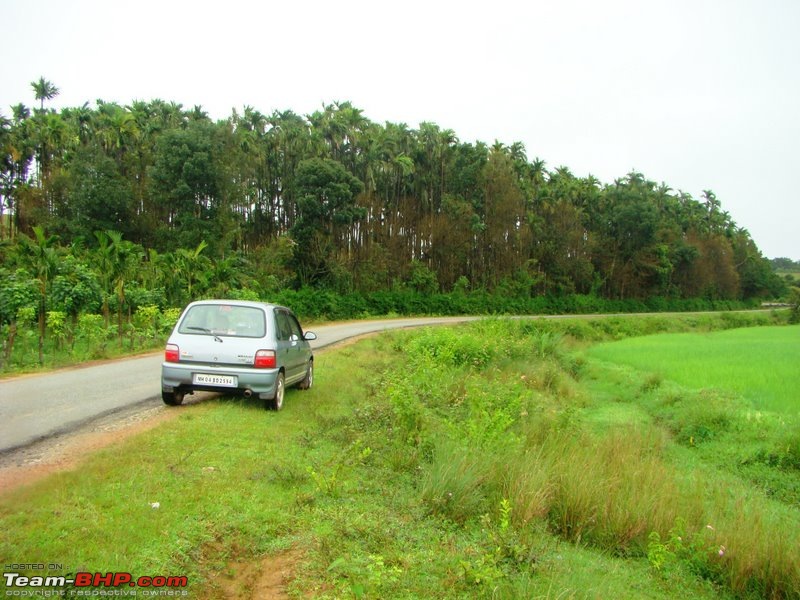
(490, 460)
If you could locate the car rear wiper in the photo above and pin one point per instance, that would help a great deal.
(205, 330)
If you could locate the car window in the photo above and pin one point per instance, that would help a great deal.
(224, 319)
(284, 328)
(295, 326)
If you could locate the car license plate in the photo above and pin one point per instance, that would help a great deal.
(209, 379)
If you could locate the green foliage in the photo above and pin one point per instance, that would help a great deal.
(57, 325)
(169, 318)
(185, 187)
(448, 347)
(422, 279)
(101, 198)
(76, 288)
(659, 554)
(506, 551)
(794, 299)
(325, 194)
(332, 200)
(461, 286)
(146, 323)
(341, 218)
(26, 315)
(92, 329)
(696, 550)
(785, 264)
(17, 291)
(783, 453)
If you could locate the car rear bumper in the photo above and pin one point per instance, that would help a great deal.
(180, 377)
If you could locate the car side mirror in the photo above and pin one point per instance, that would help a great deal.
(309, 335)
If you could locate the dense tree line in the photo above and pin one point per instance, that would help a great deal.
(156, 200)
(787, 268)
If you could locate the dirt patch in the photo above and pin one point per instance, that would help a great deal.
(261, 579)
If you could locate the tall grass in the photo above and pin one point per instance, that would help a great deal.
(613, 489)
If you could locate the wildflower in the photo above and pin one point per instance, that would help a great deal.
(722, 550)
(155, 504)
(709, 527)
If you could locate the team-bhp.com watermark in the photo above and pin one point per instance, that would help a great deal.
(21, 582)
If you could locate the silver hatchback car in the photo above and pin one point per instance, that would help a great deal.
(236, 347)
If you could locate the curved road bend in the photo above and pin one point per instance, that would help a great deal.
(33, 407)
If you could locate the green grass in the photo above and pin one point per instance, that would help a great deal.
(760, 364)
(487, 460)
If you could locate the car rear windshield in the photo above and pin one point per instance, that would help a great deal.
(224, 319)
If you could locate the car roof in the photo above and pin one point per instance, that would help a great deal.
(263, 305)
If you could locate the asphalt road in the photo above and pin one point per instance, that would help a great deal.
(33, 407)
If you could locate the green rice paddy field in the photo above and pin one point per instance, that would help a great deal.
(762, 364)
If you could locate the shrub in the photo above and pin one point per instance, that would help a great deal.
(449, 347)
(168, 320)
(91, 329)
(58, 327)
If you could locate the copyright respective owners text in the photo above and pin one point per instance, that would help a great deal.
(55, 580)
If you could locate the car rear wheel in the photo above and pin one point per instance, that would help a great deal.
(172, 398)
(276, 403)
(308, 380)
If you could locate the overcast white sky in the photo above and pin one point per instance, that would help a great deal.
(699, 94)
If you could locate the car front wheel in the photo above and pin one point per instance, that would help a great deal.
(276, 403)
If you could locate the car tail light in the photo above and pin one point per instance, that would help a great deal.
(265, 359)
(172, 353)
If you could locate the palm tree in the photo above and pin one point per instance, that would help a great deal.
(6, 166)
(51, 136)
(44, 90)
(198, 114)
(42, 259)
(117, 260)
(115, 128)
(191, 266)
(80, 119)
(17, 154)
(20, 112)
